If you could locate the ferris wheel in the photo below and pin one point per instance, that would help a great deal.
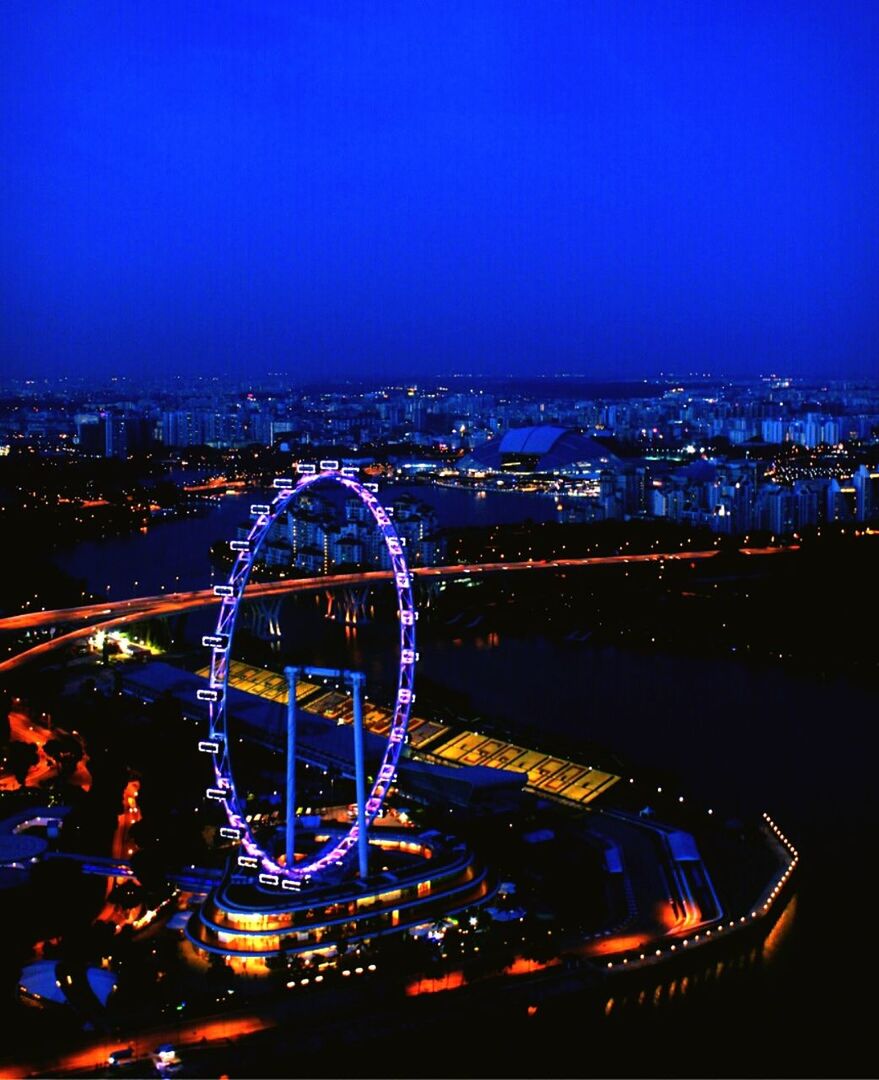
(288, 874)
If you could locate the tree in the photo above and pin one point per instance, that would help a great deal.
(128, 895)
(151, 868)
(64, 900)
(87, 944)
(13, 956)
(65, 751)
(20, 759)
(539, 945)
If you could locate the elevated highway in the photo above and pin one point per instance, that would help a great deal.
(107, 615)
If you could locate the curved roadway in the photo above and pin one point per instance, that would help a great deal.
(120, 612)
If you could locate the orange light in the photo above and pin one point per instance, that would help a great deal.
(621, 943)
(453, 981)
(523, 966)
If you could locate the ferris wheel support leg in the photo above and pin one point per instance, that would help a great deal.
(360, 775)
(292, 674)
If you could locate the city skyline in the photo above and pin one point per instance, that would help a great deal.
(346, 188)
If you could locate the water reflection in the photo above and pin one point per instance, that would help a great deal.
(671, 990)
(779, 933)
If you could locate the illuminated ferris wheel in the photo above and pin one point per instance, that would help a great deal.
(288, 874)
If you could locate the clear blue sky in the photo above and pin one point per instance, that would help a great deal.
(613, 188)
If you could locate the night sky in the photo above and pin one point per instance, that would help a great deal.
(610, 188)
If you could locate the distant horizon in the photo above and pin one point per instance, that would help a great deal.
(430, 379)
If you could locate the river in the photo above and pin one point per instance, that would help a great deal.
(173, 554)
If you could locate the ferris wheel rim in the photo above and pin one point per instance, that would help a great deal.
(232, 594)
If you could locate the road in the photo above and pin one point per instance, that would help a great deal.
(94, 1054)
(118, 613)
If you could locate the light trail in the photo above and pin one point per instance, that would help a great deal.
(121, 612)
(95, 1054)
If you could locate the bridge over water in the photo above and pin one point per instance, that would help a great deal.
(110, 615)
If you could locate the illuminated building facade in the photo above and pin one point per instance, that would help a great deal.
(423, 878)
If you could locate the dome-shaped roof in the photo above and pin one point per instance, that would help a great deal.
(540, 448)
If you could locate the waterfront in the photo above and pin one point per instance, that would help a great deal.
(684, 719)
(174, 554)
(167, 556)
(751, 736)
(701, 718)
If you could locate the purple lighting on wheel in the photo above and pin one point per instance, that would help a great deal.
(220, 642)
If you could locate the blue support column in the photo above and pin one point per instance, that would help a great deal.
(356, 678)
(292, 674)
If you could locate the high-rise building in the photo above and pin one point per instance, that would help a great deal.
(90, 433)
(184, 427)
(863, 481)
(777, 510)
(773, 431)
(837, 504)
(125, 435)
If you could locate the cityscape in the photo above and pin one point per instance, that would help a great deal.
(624, 523)
(437, 635)
(727, 456)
